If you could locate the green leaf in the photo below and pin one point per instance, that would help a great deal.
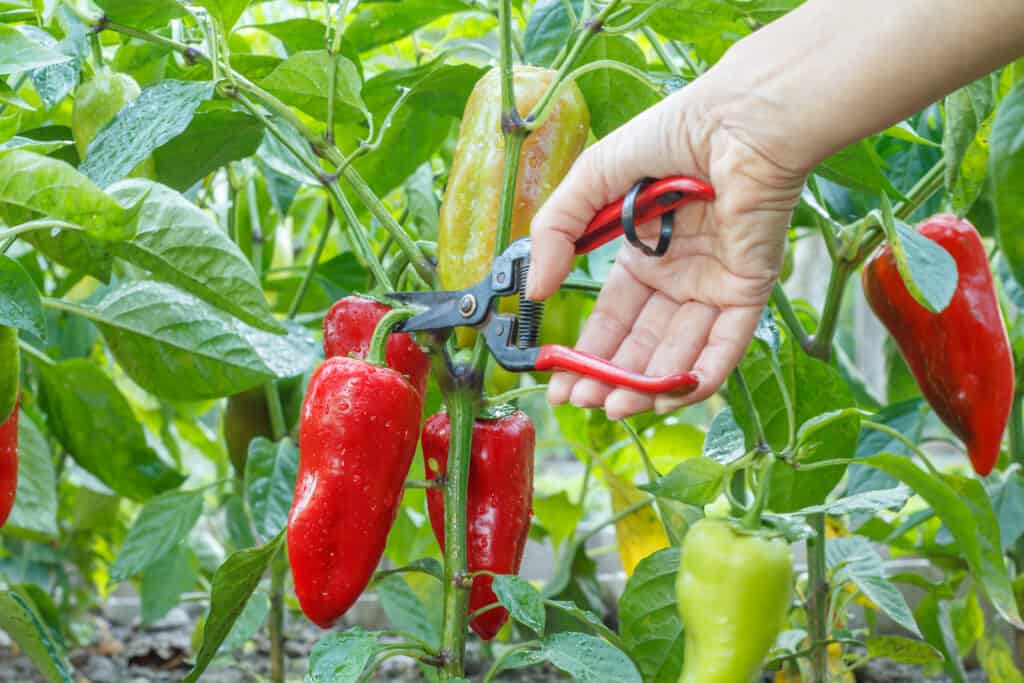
(179, 348)
(233, 584)
(710, 26)
(20, 619)
(696, 481)
(226, 12)
(270, 473)
(381, 23)
(858, 167)
(94, 422)
(21, 306)
(341, 657)
(159, 114)
(928, 270)
(302, 81)
(905, 417)
(165, 580)
(1008, 502)
(19, 53)
(1007, 163)
(964, 508)
(548, 30)
(55, 189)
(248, 623)
(868, 501)
(213, 139)
(523, 601)
(297, 35)
(410, 611)
(558, 515)
(854, 559)
(589, 659)
(162, 524)
(724, 442)
(142, 15)
(35, 500)
(649, 621)
(903, 650)
(614, 97)
(996, 658)
(43, 147)
(967, 120)
(904, 131)
(182, 245)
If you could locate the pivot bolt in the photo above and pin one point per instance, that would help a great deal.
(467, 305)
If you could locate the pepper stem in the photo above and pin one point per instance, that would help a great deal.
(752, 520)
(379, 341)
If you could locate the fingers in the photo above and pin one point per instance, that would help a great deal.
(727, 342)
(686, 335)
(602, 175)
(621, 301)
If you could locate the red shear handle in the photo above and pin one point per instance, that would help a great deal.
(553, 357)
(655, 200)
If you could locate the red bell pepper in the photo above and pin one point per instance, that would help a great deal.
(499, 504)
(357, 438)
(8, 464)
(348, 327)
(960, 357)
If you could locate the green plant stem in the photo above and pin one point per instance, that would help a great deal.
(663, 54)
(879, 427)
(652, 476)
(462, 414)
(497, 666)
(752, 518)
(314, 262)
(513, 394)
(638, 20)
(510, 115)
(796, 328)
(377, 354)
(820, 345)
(1017, 428)
(817, 598)
(741, 384)
(539, 115)
(33, 226)
(278, 574)
(35, 353)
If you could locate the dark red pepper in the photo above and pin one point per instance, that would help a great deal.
(499, 506)
(357, 438)
(960, 357)
(348, 327)
(8, 464)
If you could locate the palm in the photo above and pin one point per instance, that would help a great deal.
(697, 307)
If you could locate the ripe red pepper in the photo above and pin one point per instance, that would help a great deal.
(960, 357)
(357, 438)
(348, 327)
(499, 505)
(8, 464)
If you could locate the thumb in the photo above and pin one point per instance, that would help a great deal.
(603, 174)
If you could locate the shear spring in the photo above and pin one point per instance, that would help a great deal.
(530, 312)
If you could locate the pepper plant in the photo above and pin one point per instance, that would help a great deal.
(191, 193)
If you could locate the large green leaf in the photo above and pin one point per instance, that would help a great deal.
(341, 657)
(18, 52)
(614, 97)
(212, 140)
(302, 81)
(35, 501)
(180, 244)
(162, 524)
(965, 509)
(20, 304)
(380, 23)
(142, 15)
(179, 348)
(964, 143)
(927, 269)
(1007, 162)
(95, 424)
(22, 622)
(165, 580)
(35, 183)
(858, 167)
(270, 473)
(548, 30)
(710, 26)
(589, 659)
(156, 116)
(233, 585)
(650, 622)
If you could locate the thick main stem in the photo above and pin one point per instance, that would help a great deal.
(462, 414)
(1017, 428)
(279, 571)
(817, 599)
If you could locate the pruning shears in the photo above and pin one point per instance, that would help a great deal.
(513, 339)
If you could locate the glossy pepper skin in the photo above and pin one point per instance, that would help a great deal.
(499, 505)
(469, 211)
(348, 327)
(733, 592)
(97, 102)
(357, 438)
(8, 464)
(960, 357)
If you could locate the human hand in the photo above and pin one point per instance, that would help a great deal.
(697, 307)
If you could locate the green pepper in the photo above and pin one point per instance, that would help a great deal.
(469, 213)
(97, 102)
(733, 592)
